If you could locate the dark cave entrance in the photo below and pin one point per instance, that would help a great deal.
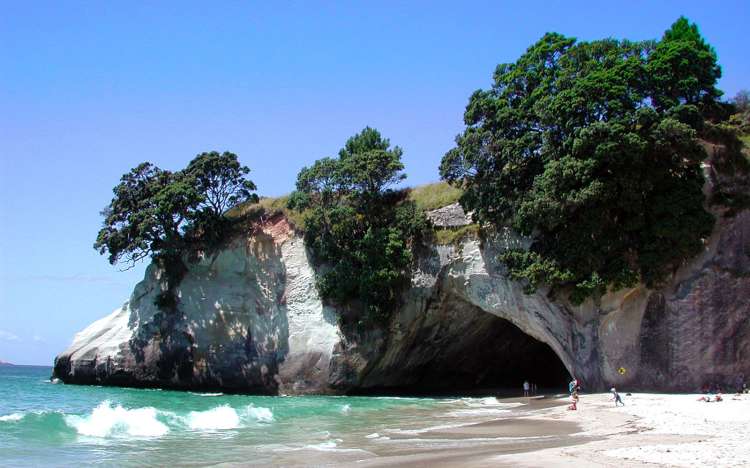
(468, 351)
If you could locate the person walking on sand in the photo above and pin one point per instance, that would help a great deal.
(616, 397)
(525, 388)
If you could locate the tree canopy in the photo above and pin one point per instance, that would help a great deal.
(221, 181)
(357, 226)
(158, 213)
(591, 148)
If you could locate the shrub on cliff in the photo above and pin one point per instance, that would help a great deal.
(592, 149)
(160, 213)
(357, 226)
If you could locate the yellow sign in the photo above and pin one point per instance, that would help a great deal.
(621, 370)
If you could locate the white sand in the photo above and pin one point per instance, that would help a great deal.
(651, 430)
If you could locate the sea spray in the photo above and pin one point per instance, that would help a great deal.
(259, 414)
(225, 417)
(115, 421)
(12, 417)
(221, 417)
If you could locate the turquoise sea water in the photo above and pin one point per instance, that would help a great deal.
(42, 423)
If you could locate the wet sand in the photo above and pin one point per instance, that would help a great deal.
(651, 430)
(450, 436)
(460, 447)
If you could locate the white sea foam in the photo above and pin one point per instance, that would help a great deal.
(12, 417)
(428, 429)
(259, 413)
(108, 421)
(221, 417)
(488, 402)
(332, 446)
(346, 408)
(207, 394)
(324, 446)
(374, 435)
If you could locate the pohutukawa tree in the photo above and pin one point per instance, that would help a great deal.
(358, 226)
(159, 213)
(221, 181)
(591, 149)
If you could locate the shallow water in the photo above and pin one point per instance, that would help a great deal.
(42, 423)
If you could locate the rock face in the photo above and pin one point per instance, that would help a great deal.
(449, 216)
(249, 319)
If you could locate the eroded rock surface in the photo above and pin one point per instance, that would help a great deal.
(250, 319)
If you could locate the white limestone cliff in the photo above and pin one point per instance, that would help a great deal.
(249, 319)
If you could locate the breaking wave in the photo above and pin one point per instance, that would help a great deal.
(109, 420)
(113, 421)
(12, 417)
(260, 414)
(221, 417)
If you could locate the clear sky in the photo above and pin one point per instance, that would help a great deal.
(90, 89)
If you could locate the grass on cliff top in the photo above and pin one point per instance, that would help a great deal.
(269, 206)
(454, 235)
(433, 196)
(437, 195)
(427, 197)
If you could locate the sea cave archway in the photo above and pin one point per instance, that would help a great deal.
(460, 349)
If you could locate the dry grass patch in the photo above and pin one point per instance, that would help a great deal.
(446, 236)
(270, 206)
(433, 196)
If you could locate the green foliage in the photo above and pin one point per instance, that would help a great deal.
(591, 148)
(433, 196)
(147, 214)
(453, 235)
(683, 68)
(730, 161)
(166, 300)
(162, 214)
(357, 227)
(221, 181)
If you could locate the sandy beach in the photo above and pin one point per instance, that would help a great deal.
(650, 430)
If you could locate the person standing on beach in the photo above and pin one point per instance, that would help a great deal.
(525, 388)
(573, 385)
(616, 397)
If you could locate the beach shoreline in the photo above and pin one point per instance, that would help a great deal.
(650, 430)
(44, 424)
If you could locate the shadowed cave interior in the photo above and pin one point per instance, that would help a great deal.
(472, 352)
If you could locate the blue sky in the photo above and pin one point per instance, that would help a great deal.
(90, 89)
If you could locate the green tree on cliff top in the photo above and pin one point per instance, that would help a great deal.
(591, 148)
(357, 226)
(160, 213)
